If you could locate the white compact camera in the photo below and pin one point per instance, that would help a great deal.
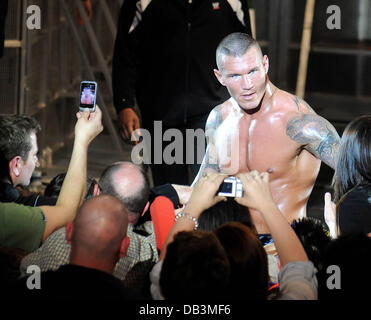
(231, 187)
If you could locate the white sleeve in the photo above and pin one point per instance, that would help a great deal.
(298, 281)
(154, 276)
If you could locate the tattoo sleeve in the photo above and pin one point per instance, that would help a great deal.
(316, 135)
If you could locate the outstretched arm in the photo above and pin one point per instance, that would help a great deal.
(314, 133)
(257, 196)
(88, 126)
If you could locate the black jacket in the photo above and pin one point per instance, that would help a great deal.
(167, 60)
(73, 282)
(8, 193)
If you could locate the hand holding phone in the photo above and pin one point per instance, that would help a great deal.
(88, 95)
(231, 187)
(88, 126)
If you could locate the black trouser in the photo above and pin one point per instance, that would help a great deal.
(187, 163)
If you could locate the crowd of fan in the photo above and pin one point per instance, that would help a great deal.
(119, 238)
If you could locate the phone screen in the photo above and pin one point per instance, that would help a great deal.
(226, 187)
(87, 95)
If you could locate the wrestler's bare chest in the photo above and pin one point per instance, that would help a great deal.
(259, 141)
(256, 143)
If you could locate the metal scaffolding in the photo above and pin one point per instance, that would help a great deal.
(41, 69)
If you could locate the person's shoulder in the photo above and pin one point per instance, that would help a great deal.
(219, 108)
(291, 104)
(22, 226)
(218, 113)
(20, 209)
(225, 107)
(360, 193)
(215, 117)
(142, 247)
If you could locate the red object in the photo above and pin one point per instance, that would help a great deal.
(276, 285)
(163, 215)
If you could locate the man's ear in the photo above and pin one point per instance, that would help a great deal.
(96, 191)
(124, 246)
(266, 63)
(69, 229)
(219, 76)
(145, 209)
(15, 166)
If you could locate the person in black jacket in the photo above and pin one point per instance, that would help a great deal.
(163, 61)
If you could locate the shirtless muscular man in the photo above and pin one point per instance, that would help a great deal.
(266, 129)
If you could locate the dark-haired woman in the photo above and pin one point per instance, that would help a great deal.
(352, 181)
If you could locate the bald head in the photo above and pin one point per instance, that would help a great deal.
(236, 45)
(127, 182)
(129, 179)
(99, 229)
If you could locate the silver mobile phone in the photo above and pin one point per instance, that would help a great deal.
(88, 95)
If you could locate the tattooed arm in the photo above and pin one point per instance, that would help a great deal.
(316, 135)
(210, 160)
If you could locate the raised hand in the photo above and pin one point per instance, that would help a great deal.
(204, 192)
(256, 190)
(88, 125)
